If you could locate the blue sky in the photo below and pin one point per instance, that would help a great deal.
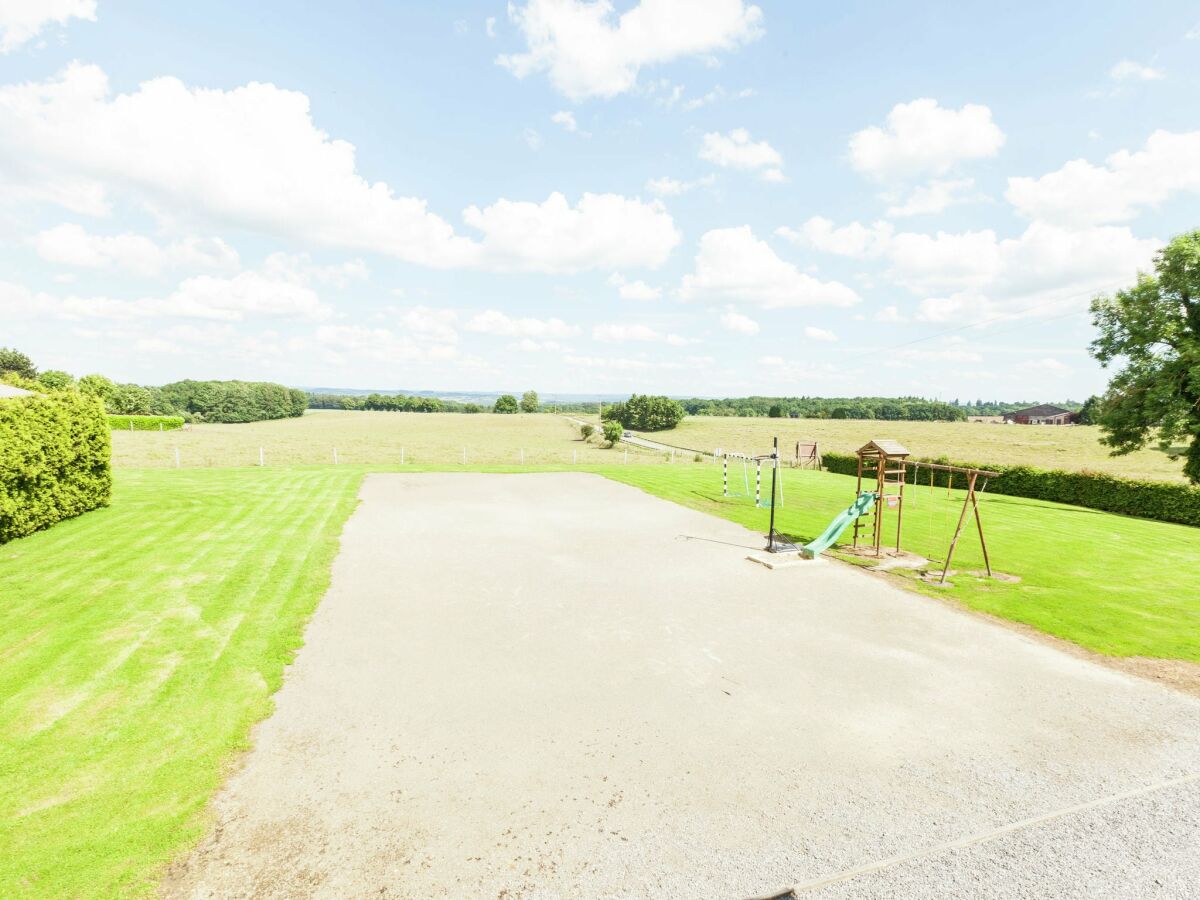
(705, 197)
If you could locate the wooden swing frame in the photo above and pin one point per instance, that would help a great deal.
(970, 501)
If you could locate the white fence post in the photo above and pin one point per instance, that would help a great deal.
(464, 456)
(260, 456)
(335, 459)
(177, 457)
(522, 456)
(627, 455)
(160, 428)
(574, 457)
(401, 456)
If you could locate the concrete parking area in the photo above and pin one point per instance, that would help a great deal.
(554, 685)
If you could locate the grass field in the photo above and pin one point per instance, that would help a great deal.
(1072, 448)
(369, 438)
(138, 644)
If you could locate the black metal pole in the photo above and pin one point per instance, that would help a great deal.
(774, 471)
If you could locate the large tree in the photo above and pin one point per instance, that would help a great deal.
(1152, 331)
(17, 363)
(529, 402)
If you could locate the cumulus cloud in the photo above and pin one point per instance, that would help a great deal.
(585, 53)
(735, 265)
(252, 157)
(933, 197)
(283, 288)
(602, 230)
(921, 137)
(1081, 193)
(345, 342)
(855, 239)
(1128, 70)
(635, 332)
(673, 187)
(70, 244)
(494, 322)
(737, 150)
(566, 119)
(734, 321)
(23, 20)
(633, 290)
(819, 334)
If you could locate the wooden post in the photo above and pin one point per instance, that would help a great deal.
(962, 517)
(987, 563)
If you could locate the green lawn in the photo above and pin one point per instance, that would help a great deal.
(139, 644)
(1116, 585)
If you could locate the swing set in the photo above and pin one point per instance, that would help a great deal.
(887, 463)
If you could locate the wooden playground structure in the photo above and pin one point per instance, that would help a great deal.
(886, 463)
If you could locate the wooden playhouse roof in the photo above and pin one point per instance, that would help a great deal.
(884, 447)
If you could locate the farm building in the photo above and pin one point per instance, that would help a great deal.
(1045, 414)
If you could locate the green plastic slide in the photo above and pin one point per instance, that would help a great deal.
(859, 507)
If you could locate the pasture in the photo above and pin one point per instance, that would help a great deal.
(1071, 448)
(369, 438)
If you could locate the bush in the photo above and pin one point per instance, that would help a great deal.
(587, 430)
(144, 423)
(505, 404)
(645, 413)
(1162, 500)
(613, 432)
(54, 461)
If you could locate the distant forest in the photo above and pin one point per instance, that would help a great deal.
(886, 408)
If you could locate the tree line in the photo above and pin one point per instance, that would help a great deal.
(195, 401)
(890, 408)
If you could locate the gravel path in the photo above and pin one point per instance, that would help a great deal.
(555, 686)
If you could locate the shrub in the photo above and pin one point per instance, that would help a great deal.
(54, 461)
(613, 432)
(145, 423)
(1162, 500)
(587, 430)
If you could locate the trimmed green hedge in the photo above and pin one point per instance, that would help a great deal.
(1162, 500)
(54, 461)
(144, 423)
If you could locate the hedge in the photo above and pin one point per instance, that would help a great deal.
(54, 460)
(1162, 500)
(145, 423)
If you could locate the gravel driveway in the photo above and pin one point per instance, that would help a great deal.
(556, 686)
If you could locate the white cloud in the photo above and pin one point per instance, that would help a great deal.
(428, 323)
(1084, 194)
(252, 157)
(673, 187)
(856, 240)
(625, 364)
(1193, 33)
(633, 290)
(635, 332)
(1048, 270)
(1047, 365)
(890, 314)
(933, 197)
(735, 265)
(587, 54)
(489, 25)
(951, 355)
(346, 342)
(714, 95)
(495, 322)
(281, 289)
(732, 320)
(737, 150)
(528, 345)
(23, 20)
(71, 245)
(603, 230)
(819, 334)
(922, 137)
(532, 138)
(1128, 70)
(566, 119)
